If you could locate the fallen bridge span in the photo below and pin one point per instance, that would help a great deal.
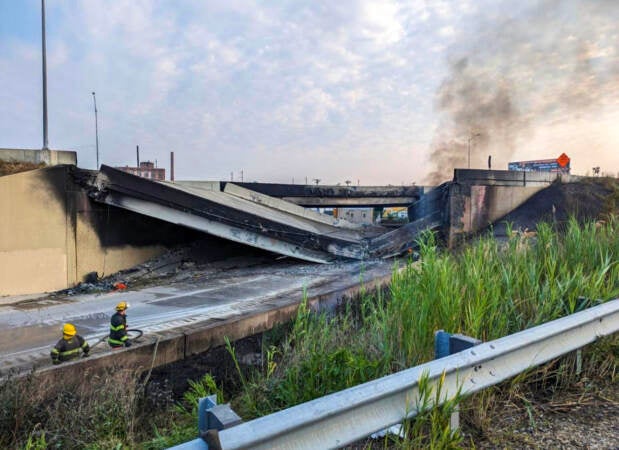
(251, 218)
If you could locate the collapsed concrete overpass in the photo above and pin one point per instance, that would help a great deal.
(318, 196)
(63, 223)
(234, 212)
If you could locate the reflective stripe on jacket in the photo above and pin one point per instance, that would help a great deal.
(68, 349)
(118, 330)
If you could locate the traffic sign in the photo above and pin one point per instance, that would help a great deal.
(563, 160)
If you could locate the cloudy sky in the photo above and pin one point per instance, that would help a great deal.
(385, 92)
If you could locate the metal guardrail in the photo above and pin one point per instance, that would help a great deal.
(347, 416)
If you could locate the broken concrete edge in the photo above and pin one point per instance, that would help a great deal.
(244, 217)
(289, 207)
(174, 345)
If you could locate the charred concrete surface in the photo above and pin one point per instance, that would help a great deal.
(333, 196)
(52, 234)
(251, 218)
(479, 198)
(230, 217)
(180, 319)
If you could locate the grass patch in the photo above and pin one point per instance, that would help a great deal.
(12, 167)
(488, 290)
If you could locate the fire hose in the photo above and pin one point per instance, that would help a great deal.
(134, 335)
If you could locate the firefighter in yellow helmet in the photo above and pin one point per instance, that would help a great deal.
(118, 327)
(70, 346)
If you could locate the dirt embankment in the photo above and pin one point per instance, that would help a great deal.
(12, 167)
(585, 417)
(588, 199)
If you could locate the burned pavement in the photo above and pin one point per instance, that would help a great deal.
(182, 314)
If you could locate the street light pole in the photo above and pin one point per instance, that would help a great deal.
(44, 68)
(471, 137)
(94, 98)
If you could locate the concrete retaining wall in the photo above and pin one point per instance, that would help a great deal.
(49, 157)
(478, 198)
(34, 234)
(473, 208)
(52, 234)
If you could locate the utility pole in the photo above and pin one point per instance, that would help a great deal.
(94, 99)
(171, 166)
(45, 140)
(137, 156)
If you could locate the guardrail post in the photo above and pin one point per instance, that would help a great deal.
(211, 419)
(446, 344)
(204, 404)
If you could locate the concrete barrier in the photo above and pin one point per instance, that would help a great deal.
(48, 157)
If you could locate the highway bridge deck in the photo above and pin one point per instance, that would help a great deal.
(179, 319)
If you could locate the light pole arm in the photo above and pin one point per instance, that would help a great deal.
(94, 99)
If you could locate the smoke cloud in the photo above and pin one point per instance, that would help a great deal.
(557, 62)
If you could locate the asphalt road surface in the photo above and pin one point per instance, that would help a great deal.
(30, 328)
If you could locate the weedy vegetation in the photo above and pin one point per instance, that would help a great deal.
(12, 167)
(488, 290)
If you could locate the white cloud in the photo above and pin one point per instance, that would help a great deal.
(324, 86)
(447, 32)
(381, 22)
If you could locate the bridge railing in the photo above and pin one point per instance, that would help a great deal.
(347, 416)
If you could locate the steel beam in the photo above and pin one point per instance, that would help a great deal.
(320, 202)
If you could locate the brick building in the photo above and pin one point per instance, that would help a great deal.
(147, 169)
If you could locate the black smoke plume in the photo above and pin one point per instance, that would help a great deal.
(558, 61)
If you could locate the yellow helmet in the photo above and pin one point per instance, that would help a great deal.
(69, 329)
(122, 306)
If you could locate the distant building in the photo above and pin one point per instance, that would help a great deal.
(395, 213)
(355, 215)
(147, 169)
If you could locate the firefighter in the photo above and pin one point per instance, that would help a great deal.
(118, 327)
(70, 346)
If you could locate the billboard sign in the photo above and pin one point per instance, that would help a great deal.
(561, 164)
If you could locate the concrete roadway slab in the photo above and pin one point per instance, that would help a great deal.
(29, 328)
